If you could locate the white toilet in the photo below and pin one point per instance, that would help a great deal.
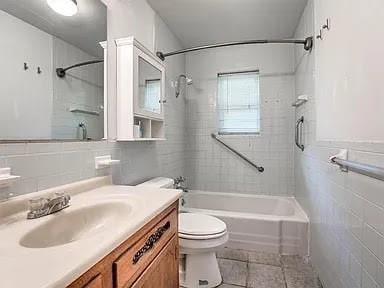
(200, 236)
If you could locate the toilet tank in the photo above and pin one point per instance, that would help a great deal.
(159, 182)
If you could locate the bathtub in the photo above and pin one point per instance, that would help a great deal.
(260, 223)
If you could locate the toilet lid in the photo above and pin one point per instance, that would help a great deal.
(200, 224)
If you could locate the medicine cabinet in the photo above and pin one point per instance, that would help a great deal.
(140, 92)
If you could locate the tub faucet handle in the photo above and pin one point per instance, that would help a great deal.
(180, 179)
(180, 183)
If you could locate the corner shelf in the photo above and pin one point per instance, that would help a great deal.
(82, 110)
(300, 101)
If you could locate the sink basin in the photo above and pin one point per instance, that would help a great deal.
(66, 227)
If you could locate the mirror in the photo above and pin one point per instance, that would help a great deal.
(149, 87)
(40, 99)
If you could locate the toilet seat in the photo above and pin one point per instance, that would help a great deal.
(200, 226)
(201, 237)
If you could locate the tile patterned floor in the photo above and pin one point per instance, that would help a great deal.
(251, 269)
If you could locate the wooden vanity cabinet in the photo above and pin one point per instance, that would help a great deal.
(149, 258)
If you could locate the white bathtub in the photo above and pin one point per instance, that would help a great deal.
(261, 223)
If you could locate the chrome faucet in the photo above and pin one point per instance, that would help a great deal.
(46, 206)
(180, 183)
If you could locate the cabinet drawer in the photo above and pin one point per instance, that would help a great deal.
(163, 272)
(96, 282)
(134, 261)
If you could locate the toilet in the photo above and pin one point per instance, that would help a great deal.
(200, 236)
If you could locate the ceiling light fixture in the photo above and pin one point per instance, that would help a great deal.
(63, 7)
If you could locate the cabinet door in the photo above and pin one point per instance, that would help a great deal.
(163, 272)
(97, 282)
(149, 86)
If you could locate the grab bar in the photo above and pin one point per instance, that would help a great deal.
(259, 168)
(299, 133)
(364, 169)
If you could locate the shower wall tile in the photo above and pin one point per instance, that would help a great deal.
(209, 166)
(345, 209)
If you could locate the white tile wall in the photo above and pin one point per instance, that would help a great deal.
(46, 165)
(210, 166)
(345, 209)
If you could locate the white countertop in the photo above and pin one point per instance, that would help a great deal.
(59, 266)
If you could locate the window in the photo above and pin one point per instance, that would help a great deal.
(238, 107)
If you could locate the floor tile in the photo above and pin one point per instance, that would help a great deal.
(241, 268)
(233, 254)
(293, 261)
(304, 278)
(265, 276)
(233, 272)
(265, 258)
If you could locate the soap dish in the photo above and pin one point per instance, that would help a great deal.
(6, 179)
(300, 101)
(105, 161)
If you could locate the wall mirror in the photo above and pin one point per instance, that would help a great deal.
(52, 72)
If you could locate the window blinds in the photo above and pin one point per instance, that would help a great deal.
(238, 107)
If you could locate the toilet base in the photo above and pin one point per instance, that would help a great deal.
(199, 270)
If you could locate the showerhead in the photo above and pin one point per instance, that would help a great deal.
(188, 81)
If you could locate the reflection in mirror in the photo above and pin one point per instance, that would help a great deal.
(149, 87)
(35, 103)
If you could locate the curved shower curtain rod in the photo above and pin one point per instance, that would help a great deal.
(307, 42)
(62, 71)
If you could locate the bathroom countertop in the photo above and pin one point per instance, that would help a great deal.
(59, 266)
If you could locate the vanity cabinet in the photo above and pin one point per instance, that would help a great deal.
(149, 258)
(140, 92)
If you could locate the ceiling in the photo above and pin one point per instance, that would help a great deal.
(200, 22)
(84, 30)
